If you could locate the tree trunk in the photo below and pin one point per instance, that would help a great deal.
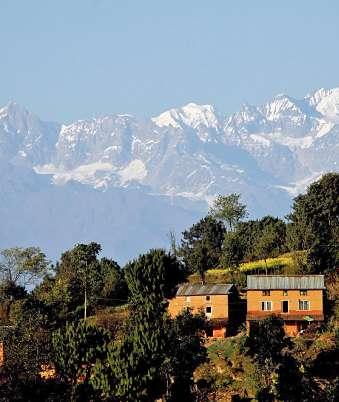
(85, 304)
(202, 276)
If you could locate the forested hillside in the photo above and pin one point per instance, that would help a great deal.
(87, 329)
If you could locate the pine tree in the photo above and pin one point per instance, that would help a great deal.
(76, 349)
(133, 369)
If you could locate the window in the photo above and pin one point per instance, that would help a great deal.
(266, 306)
(208, 310)
(188, 299)
(285, 293)
(304, 305)
(266, 293)
(208, 298)
(303, 293)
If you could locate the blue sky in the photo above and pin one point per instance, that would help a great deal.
(70, 59)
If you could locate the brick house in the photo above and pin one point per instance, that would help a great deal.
(298, 300)
(213, 299)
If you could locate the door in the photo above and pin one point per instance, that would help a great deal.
(285, 306)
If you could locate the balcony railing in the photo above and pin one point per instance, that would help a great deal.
(305, 315)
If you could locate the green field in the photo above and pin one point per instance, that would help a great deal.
(283, 264)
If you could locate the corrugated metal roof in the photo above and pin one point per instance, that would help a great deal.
(285, 282)
(207, 289)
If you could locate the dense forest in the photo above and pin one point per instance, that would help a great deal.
(86, 329)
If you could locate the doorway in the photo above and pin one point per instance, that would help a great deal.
(285, 306)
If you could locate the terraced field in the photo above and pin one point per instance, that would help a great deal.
(283, 264)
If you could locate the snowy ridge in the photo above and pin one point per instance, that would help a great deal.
(169, 152)
(178, 160)
(191, 115)
(326, 102)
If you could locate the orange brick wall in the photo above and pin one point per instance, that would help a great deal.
(2, 354)
(255, 297)
(219, 332)
(219, 304)
(291, 328)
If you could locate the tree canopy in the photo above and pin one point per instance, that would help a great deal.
(315, 223)
(76, 348)
(22, 266)
(133, 365)
(82, 280)
(228, 209)
(202, 243)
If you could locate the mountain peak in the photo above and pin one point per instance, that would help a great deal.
(326, 102)
(192, 115)
(282, 105)
(13, 108)
(115, 165)
(167, 119)
(281, 96)
(16, 117)
(319, 94)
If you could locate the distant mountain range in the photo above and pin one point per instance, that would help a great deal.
(126, 182)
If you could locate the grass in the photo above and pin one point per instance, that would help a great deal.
(284, 260)
(222, 348)
(111, 318)
(283, 264)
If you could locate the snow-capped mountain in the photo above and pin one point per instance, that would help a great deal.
(167, 168)
(24, 138)
(290, 137)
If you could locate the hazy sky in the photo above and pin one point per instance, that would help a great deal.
(70, 59)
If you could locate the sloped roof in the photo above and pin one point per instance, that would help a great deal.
(258, 282)
(208, 289)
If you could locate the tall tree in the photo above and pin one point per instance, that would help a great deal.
(315, 223)
(76, 280)
(112, 287)
(173, 242)
(133, 369)
(26, 341)
(85, 265)
(185, 353)
(266, 342)
(76, 348)
(199, 259)
(82, 282)
(249, 233)
(268, 244)
(233, 250)
(228, 209)
(202, 242)
(22, 266)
